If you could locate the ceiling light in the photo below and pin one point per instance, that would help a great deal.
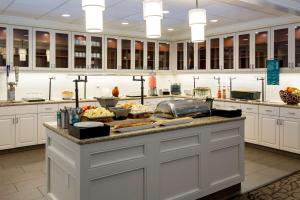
(153, 13)
(166, 12)
(66, 15)
(93, 15)
(197, 22)
(125, 23)
(214, 20)
(170, 29)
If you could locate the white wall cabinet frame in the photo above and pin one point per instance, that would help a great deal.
(197, 57)
(157, 57)
(209, 44)
(222, 53)
(70, 54)
(11, 47)
(133, 55)
(250, 67)
(106, 54)
(90, 54)
(8, 46)
(74, 53)
(132, 65)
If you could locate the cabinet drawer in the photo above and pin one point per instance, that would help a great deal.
(18, 110)
(249, 108)
(62, 106)
(46, 108)
(232, 106)
(290, 112)
(218, 104)
(268, 110)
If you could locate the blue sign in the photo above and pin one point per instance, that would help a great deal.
(273, 71)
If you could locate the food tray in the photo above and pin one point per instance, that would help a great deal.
(86, 133)
(139, 115)
(97, 119)
(174, 122)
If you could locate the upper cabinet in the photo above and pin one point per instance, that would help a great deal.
(139, 54)
(151, 55)
(164, 56)
(296, 40)
(41, 50)
(4, 60)
(80, 49)
(214, 53)
(261, 48)
(190, 49)
(96, 52)
(244, 51)
(201, 57)
(111, 53)
(228, 52)
(180, 55)
(21, 50)
(126, 54)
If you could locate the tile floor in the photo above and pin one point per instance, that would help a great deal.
(22, 174)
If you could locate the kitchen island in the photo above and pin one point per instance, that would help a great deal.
(187, 162)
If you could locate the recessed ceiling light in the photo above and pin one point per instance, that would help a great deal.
(66, 15)
(170, 29)
(125, 23)
(214, 20)
(166, 12)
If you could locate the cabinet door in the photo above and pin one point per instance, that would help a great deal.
(251, 127)
(228, 52)
(62, 52)
(26, 130)
(190, 51)
(80, 61)
(290, 135)
(180, 56)
(111, 53)
(41, 49)
(201, 51)
(296, 41)
(4, 59)
(261, 48)
(269, 131)
(214, 44)
(151, 52)
(96, 52)
(21, 47)
(164, 56)
(42, 118)
(281, 46)
(126, 54)
(139, 53)
(7, 134)
(244, 51)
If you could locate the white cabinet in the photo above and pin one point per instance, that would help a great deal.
(42, 118)
(186, 56)
(7, 134)
(269, 131)
(290, 134)
(4, 45)
(251, 127)
(26, 130)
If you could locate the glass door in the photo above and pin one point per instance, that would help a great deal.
(228, 62)
(180, 56)
(96, 52)
(42, 53)
(80, 51)
(190, 56)
(164, 56)
(21, 48)
(297, 48)
(281, 46)
(112, 53)
(150, 55)
(261, 49)
(139, 55)
(202, 55)
(3, 47)
(62, 50)
(244, 51)
(125, 54)
(215, 53)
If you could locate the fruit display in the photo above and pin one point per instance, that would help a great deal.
(87, 107)
(97, 113)
(292, 90)
(290, 95)
(127, 105)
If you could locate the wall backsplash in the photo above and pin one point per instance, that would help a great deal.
(36, 84)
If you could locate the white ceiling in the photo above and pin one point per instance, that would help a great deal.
(228, 12)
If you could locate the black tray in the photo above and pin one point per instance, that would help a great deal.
(226, 113)
(86, 133)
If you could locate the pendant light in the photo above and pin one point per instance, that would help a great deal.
(153, 13)
(197, 22)
(93, 15)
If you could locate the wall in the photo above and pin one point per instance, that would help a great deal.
(36, 84)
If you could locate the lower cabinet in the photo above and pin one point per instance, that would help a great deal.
(7, 133)
(26, 130)
(251, 128)
(269, 131)
(290, 134)
(42, 118)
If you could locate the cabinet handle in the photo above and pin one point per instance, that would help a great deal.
(17, 120)
(248, 108)
(268, 110)
(13, 120)
(290, 113)
(47, 108)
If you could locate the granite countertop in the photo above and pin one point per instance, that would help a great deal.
(4, 103)
(267, 103)
(114, 136)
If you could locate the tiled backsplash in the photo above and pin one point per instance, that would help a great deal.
(37, 83)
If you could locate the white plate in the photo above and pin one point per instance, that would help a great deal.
(88, 124)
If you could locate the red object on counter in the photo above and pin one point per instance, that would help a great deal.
(152, 82)
(115, 92)
(219, 93)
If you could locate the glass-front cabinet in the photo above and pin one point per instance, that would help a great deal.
(190, 49)
(41, 49)
(296, 40)
(214, 50)
(4, 59)
(126, 54)
(164, 56)
(21, 50)
(201, 51)
(96, 52)
(139, 54)
(228, 53)
(281, 44)
(261, 48)
(151, 52)
(111, 53)
(80, 58)
(180, 55)
(244, 51)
